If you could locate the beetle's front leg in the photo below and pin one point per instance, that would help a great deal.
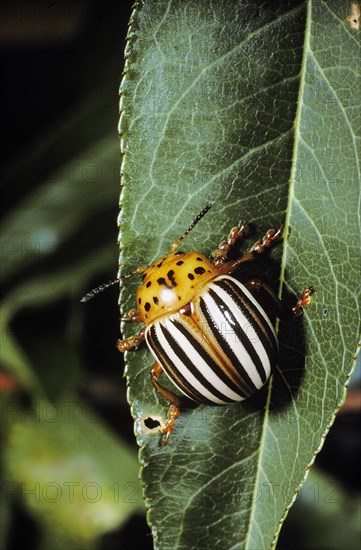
(174, 409)
(220, 254)
(133, 316)
(280, 310)
(133, 342)
(260, 247)
(268, 240)
(271, 237)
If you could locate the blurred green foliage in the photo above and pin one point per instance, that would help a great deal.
(74, 475)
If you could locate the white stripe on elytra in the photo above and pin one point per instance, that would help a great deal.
(199, 363)
(231, 337)
(252, 299)
(159, 360)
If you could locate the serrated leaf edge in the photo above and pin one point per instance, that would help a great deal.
(315, 453)
(130, 40)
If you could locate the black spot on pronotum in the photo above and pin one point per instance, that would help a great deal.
(160, 263)
(179, 253)
(171, 278)
(155, 300)
(191, 276)
(200, 259)
(162, 282)
(199, 270)
(139, 300)
(148, 284)
(147, 306)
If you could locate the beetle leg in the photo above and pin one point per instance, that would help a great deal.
(133, 316)
(281, 311)
(268, 240)
(174, 410)
(167, 429)
(133, 342)
(302, 302)
(220, 254)
(155, 372)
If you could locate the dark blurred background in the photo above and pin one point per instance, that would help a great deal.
(61, 70)
(61, 67)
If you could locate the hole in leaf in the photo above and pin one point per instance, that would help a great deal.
(151, 423)
(354, 19)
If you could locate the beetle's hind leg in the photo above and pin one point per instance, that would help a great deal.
(302, 302)
(278, 307)
(174, 408)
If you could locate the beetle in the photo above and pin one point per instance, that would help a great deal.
(206, 330)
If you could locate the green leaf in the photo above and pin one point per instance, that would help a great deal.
(252, 107)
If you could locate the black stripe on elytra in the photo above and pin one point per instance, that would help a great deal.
(254, 317)
(247, 389)
(166, 363)
(188, 362)
(242, 336)
(256, 320)
(260, 319)
(272, 344)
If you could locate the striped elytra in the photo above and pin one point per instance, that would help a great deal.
(222, 350)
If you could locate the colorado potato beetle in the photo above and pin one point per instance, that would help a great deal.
(205, 329)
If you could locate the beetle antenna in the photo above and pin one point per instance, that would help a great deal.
(192, 225)
(104, 286)
(98, 289)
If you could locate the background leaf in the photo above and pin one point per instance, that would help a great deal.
(324, 507)
(253, 108)
(56, 466)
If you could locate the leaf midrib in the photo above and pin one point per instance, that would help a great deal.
(292, 180)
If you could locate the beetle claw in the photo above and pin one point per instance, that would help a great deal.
(268, 240)
(168, 427)
(302, 302)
